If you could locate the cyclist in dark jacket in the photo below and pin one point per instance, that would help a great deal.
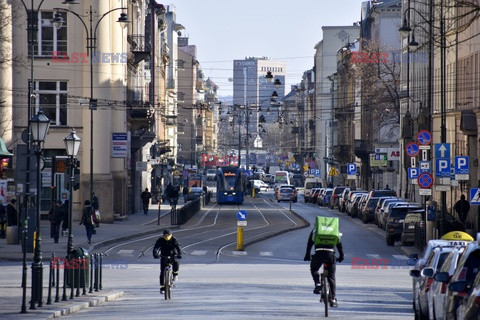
(166, 246)
(324, 254)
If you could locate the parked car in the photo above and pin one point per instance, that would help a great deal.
(379, 206)
(425, 279)
(337, 191)
(384, 207)
(342, 201)
(326, 196)
(352, 205)
(367, 212)
(469, 309)
(312, 198)
(463, 279)
(286, 193)
(437, 294)
(408, 233)
(419, 262)
(384, 214)
(361, 204)
(396, 218)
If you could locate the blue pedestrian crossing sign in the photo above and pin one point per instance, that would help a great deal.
(442, 150)
(242, 215)
(352, 169)
(475, 196)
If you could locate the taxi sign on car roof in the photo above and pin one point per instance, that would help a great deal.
(457, 236)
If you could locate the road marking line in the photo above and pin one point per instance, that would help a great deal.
(373, 256)
(400, 257)
(199, 252)
(126, 253)
(240, 253)
(266, 253)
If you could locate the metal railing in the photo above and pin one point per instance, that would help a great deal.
(79, 273)
(181, 215)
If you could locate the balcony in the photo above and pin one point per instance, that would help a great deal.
(343, 152)
(140, 115)
(361, 149)
(139, 47)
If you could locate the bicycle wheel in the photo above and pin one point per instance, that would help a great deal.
(168, 282)
(325, 293)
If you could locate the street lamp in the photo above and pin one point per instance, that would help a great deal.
(72, 144)
(39, 125)
(91, 44)
(31, 13)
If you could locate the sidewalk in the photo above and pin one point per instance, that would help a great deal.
(11, 258)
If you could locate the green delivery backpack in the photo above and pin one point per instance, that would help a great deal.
(326, 231)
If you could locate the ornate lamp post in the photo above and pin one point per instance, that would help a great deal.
(72, 144)
(91, 44)
(39, 125)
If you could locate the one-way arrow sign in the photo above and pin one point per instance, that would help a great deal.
(442, 150)
(242, 215)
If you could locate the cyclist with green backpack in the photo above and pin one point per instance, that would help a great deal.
(325, 236)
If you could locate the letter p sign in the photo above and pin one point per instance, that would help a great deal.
(461, 165)
(352, 169)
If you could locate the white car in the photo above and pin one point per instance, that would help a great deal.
(259, 185)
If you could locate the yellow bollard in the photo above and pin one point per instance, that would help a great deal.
(239, 238)
(253, 192)
(34, 239)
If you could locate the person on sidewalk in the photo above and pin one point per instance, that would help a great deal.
(168, 192)
(65, 217)
(167, 246)
(185, 194)
(56, 219)
(12, 213)
(462, 207)
(88, 219)
(95, 207)
(146, 196)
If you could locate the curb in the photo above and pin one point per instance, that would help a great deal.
(76, 307)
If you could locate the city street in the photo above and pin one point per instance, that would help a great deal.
(268, 280)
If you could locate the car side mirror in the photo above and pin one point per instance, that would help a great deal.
(428, 272)
(415, 273)
(458, 286)
(442, 277)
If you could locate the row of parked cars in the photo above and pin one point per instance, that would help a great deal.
(446, 278)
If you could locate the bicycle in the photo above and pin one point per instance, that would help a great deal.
(168, 277)
(325, 293)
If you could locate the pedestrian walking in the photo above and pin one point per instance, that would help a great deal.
(56, 218)
(462, 207)
(146, 196)
(66, 210)
(12, 213)
(88, 219)
(185, 194)
(168, 192)
(95, 207)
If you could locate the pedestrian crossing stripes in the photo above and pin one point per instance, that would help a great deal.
(198, 252)
(125, 253)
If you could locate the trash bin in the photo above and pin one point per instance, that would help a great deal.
(78, 265)
(12, 235)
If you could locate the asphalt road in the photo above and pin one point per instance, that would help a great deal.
(267, 280)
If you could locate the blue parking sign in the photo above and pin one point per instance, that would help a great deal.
(442, 167)
(412, 173)
(352, 169)
(461, 165)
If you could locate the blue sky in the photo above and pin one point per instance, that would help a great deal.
(224, 30)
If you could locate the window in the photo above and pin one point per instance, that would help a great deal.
(51, 97)
(47, 38)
